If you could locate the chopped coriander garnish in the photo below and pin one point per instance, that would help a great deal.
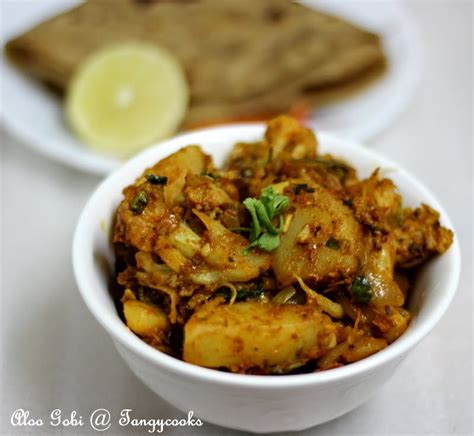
(264, 217)
(224, 293)
(149, 296)
(302, 187)
(255, 228)
(362, 289)
(139, 202)
(253, 292)
(333, 243)
(157, 180)
(274, 203)
(263, 233)
(265, 241)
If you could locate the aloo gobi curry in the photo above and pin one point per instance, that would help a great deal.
(281, 262)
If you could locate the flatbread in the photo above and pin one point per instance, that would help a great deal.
(238, 55)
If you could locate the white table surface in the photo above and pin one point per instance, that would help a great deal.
(54, 355)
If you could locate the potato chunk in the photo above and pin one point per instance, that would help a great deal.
(175, 167)
(254, 335)
(323, 241)
(144, 319)
(224, 256)
(379, 269)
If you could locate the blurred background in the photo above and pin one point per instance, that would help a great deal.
(417, 112)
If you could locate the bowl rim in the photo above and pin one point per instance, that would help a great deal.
(131, 342)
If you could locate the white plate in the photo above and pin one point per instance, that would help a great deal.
(35, 115)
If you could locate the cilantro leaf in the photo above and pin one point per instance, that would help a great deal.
(274, 203)
(254, 291)
(156, 180)
(264, 218)
(302, 187)
(139, 202)
(362, 289)
(333, 243)
(265, 241)
(268, 242)
(249, 203)
(263, 234)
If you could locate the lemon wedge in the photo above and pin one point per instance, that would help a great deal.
(124, 97)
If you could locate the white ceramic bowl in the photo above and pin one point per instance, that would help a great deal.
(247, 402)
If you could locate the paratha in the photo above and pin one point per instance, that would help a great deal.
(240, 56)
